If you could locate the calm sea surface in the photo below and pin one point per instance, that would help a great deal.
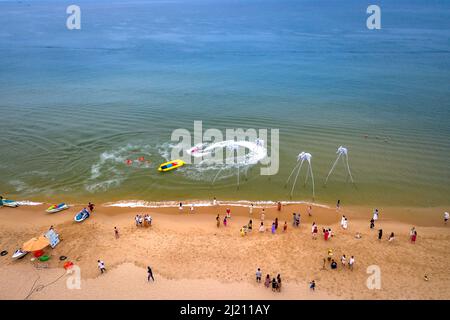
(76, 104)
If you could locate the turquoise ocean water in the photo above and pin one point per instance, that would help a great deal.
(76, 104)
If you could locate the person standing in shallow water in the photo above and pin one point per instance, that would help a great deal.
(279, 206)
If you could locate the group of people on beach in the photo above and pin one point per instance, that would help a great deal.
(275, 283)
(333, 264)
(143, 220)
(225, 220)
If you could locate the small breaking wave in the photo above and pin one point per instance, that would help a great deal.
(204, 203)
(29, 203)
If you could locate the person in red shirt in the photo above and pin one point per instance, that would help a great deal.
(326, 235)
(414, 237)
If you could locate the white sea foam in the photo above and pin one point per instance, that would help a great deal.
(204, 203)
(28, 203)
(111, 169)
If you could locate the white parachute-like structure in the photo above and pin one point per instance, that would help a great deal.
(341, 152)
(301, 158)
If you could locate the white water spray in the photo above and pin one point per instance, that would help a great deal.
(255, 153)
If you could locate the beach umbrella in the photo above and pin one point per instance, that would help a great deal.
(36, 244)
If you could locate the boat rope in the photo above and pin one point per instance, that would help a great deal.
(41, 286)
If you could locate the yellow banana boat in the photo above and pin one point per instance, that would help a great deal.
(173, 164)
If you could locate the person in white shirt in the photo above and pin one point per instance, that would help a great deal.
(261, 227)
(214, 202)
(101, 266)
(446, 216)
(345, 224)
(251, 209)
(351, 263)
(314, 230)
(262, 215)
(342, 221)
(192, 209)
(343, 260)
(375, 215)
(391, 237)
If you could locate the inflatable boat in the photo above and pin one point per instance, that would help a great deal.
(57, 208)
(82, 215)
(173, 164)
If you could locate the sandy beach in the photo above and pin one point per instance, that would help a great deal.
(193, 259)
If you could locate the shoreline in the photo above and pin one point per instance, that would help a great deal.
(423, 215)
